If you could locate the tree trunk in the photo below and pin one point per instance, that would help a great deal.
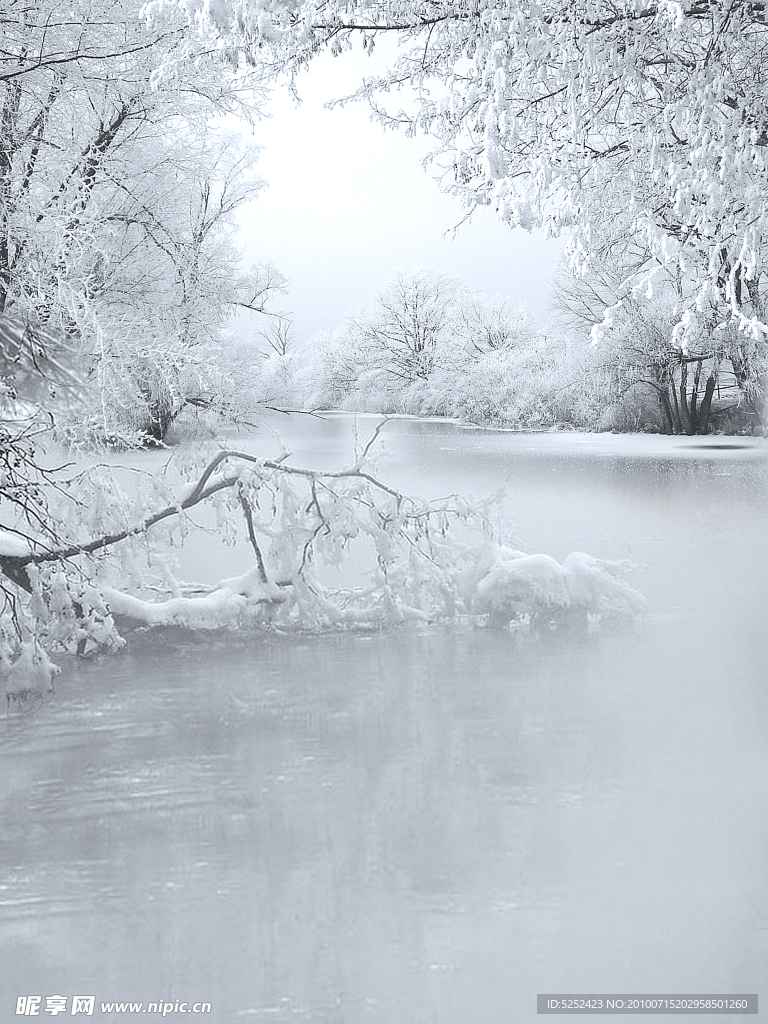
(744, 374)
(160, 418)
(8, 117)
(706, 404)
(678, 426)
(666, 410)
(685, 417)
(694, 411)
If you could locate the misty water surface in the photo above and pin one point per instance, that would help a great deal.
(425, 826)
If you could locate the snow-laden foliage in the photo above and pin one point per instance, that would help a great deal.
(427, 346)
(117, 211)
(480, 360)
(327, 550)
(540, 383)
(409, 348)
(719, 376)
(570, 115)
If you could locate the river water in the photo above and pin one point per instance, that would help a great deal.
(426, 826)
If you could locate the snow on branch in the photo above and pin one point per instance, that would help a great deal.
(568, 116)
(400, 559)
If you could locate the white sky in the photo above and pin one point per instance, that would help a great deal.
(348, 204)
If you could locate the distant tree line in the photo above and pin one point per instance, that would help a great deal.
(426, 345)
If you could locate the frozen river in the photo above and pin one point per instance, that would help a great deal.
(425, 826)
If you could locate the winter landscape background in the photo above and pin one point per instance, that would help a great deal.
(382, 631)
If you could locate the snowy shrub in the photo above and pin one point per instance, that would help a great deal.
(537, 383)
(521, 388)
(409, 351)
(147, 385)
(332, 371)
(517, 586)
(471, 358)
(276, 382)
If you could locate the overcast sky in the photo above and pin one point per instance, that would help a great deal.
(348, 204)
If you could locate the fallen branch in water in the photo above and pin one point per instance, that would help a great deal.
(295, 518)
(13, 564)
(301, 526)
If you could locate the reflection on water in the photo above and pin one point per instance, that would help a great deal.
(421, 826)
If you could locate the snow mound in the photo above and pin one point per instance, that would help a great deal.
(13, 545)
(30, 675)
(515, 585)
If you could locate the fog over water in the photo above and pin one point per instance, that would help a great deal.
(424, 826)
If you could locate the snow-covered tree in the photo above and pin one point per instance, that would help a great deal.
(569, 115)
(407, 331)
(169, 279)
(117, 202)
(491, 325)
(636, 359)
(421, 327)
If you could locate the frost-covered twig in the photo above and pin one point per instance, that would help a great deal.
(407, 563)
(200, 492)
(252, 535)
